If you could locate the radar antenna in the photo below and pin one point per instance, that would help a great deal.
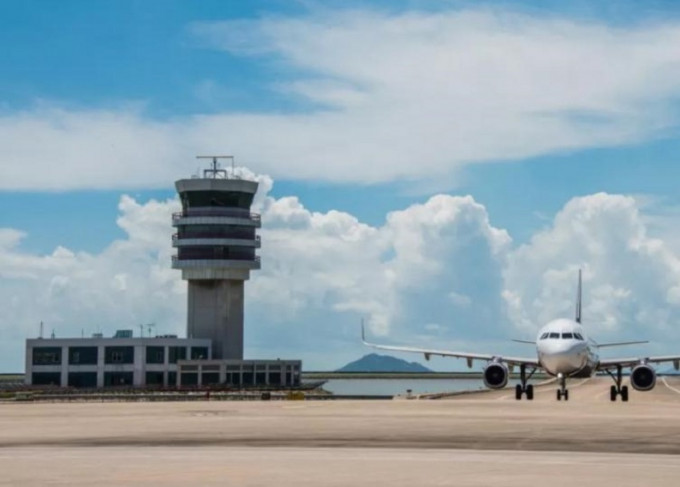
(215, 171)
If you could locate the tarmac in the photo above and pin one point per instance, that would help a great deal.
(486, 438)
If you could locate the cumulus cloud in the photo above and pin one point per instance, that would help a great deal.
(631, 279)
(321, 272)
(407, 96)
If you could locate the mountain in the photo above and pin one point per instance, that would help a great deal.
(382, 363)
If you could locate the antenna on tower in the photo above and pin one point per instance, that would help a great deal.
(42, 326)
(215, 171)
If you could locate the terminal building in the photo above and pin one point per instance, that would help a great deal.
(216, 242)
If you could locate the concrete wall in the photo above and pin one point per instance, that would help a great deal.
(215, 311)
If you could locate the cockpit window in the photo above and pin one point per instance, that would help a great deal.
(544, 336)
(568, 336)
(554, 335)
(578, 336)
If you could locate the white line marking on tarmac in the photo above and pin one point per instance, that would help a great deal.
(663, 379)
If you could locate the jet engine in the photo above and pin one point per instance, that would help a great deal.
(496, 375)
(643, 378)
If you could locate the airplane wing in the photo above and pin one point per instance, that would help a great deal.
(611, 363)
(470, 357)
(620, 344)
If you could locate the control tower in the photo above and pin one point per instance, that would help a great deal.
(216, 241)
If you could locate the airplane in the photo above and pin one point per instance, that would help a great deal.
(563, 350)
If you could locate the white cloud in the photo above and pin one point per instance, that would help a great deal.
(410, 96)
(321, 272)
(631, 279)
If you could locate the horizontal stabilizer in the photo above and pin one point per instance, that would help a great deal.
(620, 344)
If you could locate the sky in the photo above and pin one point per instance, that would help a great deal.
(439, 169)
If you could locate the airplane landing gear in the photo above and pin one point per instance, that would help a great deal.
(562, 392)
(618, 390)
(523, 388)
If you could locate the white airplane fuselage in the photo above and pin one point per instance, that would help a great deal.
(564, 349)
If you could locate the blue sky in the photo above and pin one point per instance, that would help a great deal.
(361, 110)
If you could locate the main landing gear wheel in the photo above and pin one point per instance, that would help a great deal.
(523, 388)
(624, 393)
(618, 390)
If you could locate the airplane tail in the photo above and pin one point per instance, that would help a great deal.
(579, 297)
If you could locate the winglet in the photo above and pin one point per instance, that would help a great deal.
(363, 332)
(579, 297)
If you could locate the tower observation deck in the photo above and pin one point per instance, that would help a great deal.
(216, 242)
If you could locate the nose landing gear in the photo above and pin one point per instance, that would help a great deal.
(523, 388)
(618, 390)
(562, 392)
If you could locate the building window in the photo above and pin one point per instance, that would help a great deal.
(46, 378)
(210, 378)
(189, 379)
(117, 378)
(82, 379)
(119, 355)
(233, 378)
(275, 378)
(47, 356)
(199, 353)
(154, 378)
(82, 355)
(176, 353)
(155, 355)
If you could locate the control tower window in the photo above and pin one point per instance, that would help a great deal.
(227, 199)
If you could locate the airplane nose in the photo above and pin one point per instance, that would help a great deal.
(566, 358)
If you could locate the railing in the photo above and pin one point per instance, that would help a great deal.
(216, 211)
(212, 257)
(235, 235)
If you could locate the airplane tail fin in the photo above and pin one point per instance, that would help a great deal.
(579, 297)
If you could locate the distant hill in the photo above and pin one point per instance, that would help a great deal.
(382, 363)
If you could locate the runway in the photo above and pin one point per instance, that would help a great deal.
(329, 467)
(478, 439)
